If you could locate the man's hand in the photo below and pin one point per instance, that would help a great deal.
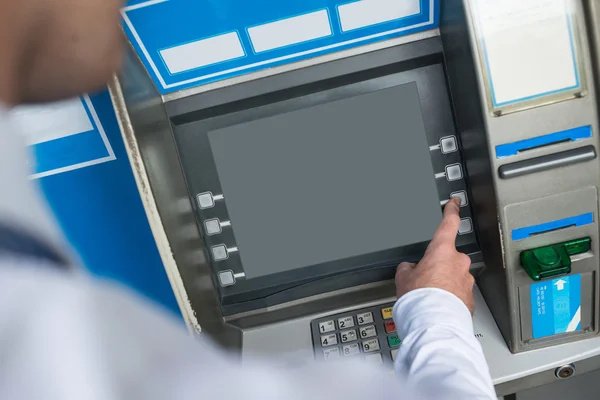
(442, 266)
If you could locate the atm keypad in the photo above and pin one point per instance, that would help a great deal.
(329, 340)
(365, 318)
(330, 353)
(327, 326)
(366, 333)
(348, 336)
(346, 322)
(371, 345)
(351, 349)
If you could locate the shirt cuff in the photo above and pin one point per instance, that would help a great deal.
(424, 308)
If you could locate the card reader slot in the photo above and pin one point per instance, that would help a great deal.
(552, 226)
(569, 135)
(547, 162)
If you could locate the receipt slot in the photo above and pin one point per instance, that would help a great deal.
(283, 199)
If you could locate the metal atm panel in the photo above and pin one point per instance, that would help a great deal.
(538, 192)
(543, 179)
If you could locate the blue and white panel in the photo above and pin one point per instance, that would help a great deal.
(556, 306)
(64, 136)
(186, 43)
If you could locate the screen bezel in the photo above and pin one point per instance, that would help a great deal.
(201, 175)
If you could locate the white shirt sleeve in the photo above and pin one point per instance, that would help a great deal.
(439, 353)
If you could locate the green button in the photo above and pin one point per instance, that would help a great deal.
(547, 261)
(547, 256)
(394, 341)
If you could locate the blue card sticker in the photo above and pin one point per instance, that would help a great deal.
(556, 306)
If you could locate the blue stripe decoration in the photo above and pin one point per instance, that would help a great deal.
(69, 151)
(155, 25)
(526, 232)
(513, 148)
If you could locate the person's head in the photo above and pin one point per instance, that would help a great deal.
(53, 49)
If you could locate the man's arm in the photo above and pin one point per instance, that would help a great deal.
(440, 355)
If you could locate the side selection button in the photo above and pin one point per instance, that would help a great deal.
(462, 195)
(454, 172)
(212, 226)
(205, 200)
(226, 278)
(466, 226)
(219, 252)
(448, 144)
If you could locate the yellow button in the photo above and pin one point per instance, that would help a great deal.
(386, 313)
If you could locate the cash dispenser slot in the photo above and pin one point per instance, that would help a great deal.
(547, 162)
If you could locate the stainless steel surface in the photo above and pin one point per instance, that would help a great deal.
(148, 138)
(493, 197)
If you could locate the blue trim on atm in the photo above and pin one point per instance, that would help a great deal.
(512, 149)
(526, 232)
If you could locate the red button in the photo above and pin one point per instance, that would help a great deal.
(390, 327)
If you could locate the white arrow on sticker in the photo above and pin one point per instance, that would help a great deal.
(560, 284)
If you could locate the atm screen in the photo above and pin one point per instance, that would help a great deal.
(328, 182)
(326, 189)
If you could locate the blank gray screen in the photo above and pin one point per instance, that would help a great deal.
(325, 183)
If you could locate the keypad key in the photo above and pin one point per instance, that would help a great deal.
(390, 327)
(351, 349)
(331, 353)
(348, 336)
(346, 322)
(394, 341)
(374, 358)
(329, 340)
(386, 313)
(367, 331)
(370, 345)
(365, 318)
(394, 354)
(327, 326)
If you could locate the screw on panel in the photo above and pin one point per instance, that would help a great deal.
(565, 372)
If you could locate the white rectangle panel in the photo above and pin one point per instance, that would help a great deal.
(43, 123)
(290, 31)
(528, 47)
(202, 53)
(361, 14)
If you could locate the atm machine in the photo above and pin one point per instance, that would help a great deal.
(282, 199)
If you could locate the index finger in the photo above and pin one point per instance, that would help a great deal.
(448, 229)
